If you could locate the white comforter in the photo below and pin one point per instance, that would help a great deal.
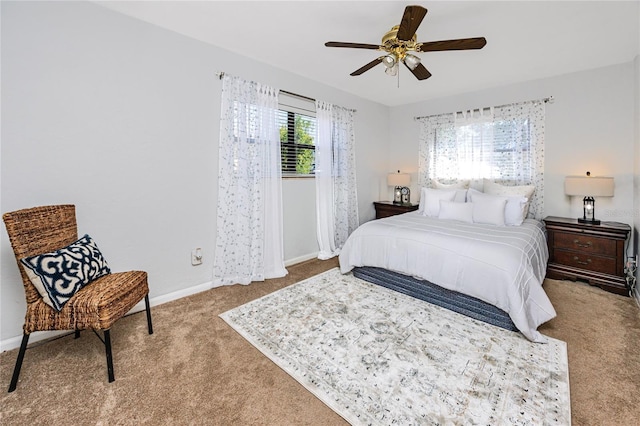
(501, 265)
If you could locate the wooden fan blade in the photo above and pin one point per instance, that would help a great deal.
(368, 66)
(458, 44)
(420, 72)
(352, 45)
(411, 20)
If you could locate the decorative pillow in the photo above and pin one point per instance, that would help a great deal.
(453, 210)
(430, 199)
(525, 191)
(514, 211)
(460, 187)
(489, 211)
(422, 203)
(60, 274)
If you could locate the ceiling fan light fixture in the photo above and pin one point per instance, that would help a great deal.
(392, 71)
(412, 61)
(389, 61)
(401, 39)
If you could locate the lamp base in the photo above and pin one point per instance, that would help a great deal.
(589, 221)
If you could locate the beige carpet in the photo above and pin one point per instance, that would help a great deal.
(196, 370)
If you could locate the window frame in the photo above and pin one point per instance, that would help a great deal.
(296, 105)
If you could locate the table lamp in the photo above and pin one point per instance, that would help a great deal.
(401, 192)
(589, 187)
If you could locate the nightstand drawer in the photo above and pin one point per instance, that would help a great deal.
(585, 243)
(591, 253)
(606, 265)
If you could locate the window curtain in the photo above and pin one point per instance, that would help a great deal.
(523, 126)
(249, 242)
(336, 201)
(437, 140)
(504, 144)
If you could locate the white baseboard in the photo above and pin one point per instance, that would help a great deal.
(301, 259)
(14, 342)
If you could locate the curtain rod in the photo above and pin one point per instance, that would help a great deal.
(547, 100)
(297, 96)
(220, 75)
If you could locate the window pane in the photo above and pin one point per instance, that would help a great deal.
(297, 132)
(499, 150)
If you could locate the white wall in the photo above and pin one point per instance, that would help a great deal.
(121, 118)
(590, 126)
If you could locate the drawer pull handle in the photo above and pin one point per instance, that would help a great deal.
(587, 245)
(577, 259)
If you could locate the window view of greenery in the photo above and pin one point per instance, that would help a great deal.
(297, 133)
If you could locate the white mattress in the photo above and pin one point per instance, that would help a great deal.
(501, 265)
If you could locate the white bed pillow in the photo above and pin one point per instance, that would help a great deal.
(489, 210)
(514, 210)
(422, 201)
(525, 191)
(430, 200)
(454, 210)
(460, 187)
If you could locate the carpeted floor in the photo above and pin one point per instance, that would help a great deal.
(196, 370)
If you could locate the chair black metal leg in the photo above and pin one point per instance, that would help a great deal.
(146, 303)
(77, 334)
(107, 346)
(16, 370)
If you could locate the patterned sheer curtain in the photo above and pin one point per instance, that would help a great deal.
(336, 201)
(249, 243)
(504, 144)
(437, 140)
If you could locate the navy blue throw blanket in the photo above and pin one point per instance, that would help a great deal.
(424, 290)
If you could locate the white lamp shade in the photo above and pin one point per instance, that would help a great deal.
(389, 61)
(589, 186)
(412, 61)
(392, 71)
(398, 179)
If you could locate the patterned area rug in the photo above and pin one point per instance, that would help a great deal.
(380, 357)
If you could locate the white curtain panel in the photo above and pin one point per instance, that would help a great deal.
(504, 144)
(336, 200)
(437, 140)
(526, 134)
(249, 241)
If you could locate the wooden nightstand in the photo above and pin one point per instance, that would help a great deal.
(387, 208)
(591, 253)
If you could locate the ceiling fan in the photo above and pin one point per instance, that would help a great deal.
(401, 39)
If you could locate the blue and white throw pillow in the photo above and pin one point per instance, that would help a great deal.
(60, 274)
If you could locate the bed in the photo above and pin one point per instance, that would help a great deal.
(500, 265)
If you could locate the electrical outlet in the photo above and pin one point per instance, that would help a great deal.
(196, 256)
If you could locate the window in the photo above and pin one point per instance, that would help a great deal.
(504, 144)
(499, 150)
(297, 122)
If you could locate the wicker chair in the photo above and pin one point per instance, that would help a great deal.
(96, 306)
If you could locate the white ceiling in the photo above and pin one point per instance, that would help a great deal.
(526, 40)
